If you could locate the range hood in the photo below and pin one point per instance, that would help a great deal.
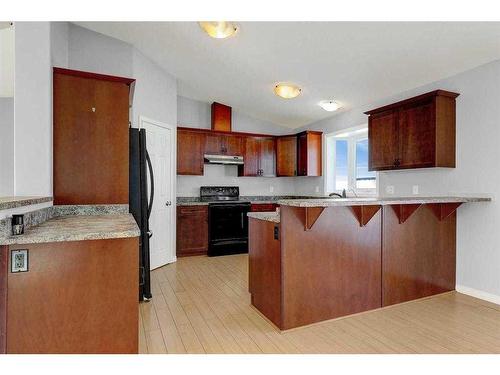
(223, 159)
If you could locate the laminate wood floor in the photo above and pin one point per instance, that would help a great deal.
(202, 305)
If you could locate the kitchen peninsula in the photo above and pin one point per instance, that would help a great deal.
(319, 259)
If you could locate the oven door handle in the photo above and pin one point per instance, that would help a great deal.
(242, 220)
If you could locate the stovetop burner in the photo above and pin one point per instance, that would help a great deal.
(219, 193)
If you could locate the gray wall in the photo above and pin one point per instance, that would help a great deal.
(32, 109)
(7, 146)
(195, 114)
(476, 172)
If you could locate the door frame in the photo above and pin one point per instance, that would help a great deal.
(173, 168)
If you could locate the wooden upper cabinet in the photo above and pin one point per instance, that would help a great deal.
(221, 117)
(214, 144)
(190, 147)
(250, 158)
(91, 141)
(259, 157)
(286, 156)
(415, 133)
(383, 140)
(267, 157)
(220, 144)
(309, 150)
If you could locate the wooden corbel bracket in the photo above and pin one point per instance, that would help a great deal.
(443, 210)
(364, 213)
(311, 215)
(404, 211)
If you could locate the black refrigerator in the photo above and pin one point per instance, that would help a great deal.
(140, 203)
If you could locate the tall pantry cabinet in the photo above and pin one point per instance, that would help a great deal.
(90, 139)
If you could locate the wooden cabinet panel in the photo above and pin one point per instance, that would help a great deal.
(77, 297)
(251, 158)
(417, 136)
(264, 263)
(259, 157)
(91, 145)
(221, 117)
(192, 230)
(341, 276)
(214, 144)
(415, 133)
(309, 162)
(267, 157)
(263, 207)
(233, 145)
(286, 156)
(383, 140)
(190, 146)
(418, 255)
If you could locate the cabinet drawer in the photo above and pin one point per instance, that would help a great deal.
(263, 207)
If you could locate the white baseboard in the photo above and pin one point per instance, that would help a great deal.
(478, 294)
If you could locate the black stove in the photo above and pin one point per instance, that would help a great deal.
(227, 220)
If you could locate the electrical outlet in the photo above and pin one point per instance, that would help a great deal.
(271, 189)
(19, 261)
(317, 189)
(389, 189)
(414, 189)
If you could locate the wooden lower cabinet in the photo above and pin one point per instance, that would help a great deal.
(192, 230)
(76, 297)
(264, 262)
(319, 264)
(419, 257)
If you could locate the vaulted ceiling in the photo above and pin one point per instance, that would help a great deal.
(354, 63)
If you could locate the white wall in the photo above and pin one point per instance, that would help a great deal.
(7, 62)
(196, 114)
(32, 109)
(476, 172)
(98, 53)
(155, 94)
(59, 40)
(6, 146)
(227, 175)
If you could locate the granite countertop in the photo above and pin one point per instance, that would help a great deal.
(77, 228)
(328, 202)
(273, 217)
(7, 203)
(257, 199)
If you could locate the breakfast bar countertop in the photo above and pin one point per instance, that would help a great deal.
(385, 201)
(77, 228)
(273, 217)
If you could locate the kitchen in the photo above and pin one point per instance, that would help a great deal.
(269, 223)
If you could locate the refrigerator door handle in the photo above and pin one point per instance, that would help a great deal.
(152, 182)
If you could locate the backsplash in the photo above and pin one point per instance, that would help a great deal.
(227, 175)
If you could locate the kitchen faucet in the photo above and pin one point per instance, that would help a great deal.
(343, 195)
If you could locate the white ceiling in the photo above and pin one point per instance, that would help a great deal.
(353, 62)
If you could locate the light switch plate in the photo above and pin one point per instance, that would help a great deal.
(414, 189)
(389, 189)
(19, 261)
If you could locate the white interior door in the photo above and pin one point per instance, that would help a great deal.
(161, 145)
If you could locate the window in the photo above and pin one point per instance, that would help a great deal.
(347, 162)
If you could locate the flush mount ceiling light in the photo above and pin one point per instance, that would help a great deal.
(219, 29)
(287, 90)
(329, 105)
